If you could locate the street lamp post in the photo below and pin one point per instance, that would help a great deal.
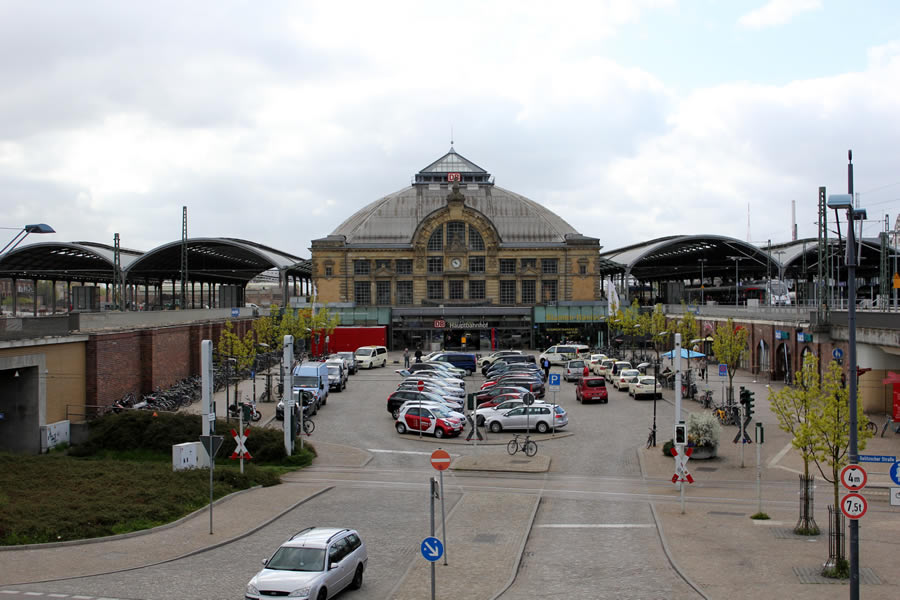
(702, 261)
(837, 201)
(35, 228)
(737, 260)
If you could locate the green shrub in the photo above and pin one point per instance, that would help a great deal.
(667, 447)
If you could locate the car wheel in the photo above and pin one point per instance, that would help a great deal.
(357, 578)
(480, 420)
(401, 428)
(438, 432)
(542, 427)
(395, 413)
(323, 594)
(496, 427)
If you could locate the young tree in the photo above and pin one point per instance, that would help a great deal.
(729, 345)
(656, 326)
(829, 422)
(628, 321)
(791, 406)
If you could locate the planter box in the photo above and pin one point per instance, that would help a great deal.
(703, 452)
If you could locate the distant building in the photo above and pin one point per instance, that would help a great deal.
(454, 261)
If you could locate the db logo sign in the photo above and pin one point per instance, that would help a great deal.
(439, 323)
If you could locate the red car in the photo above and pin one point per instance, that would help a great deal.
(591, 389)
(500, 398)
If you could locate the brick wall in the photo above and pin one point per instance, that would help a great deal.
(140, 360)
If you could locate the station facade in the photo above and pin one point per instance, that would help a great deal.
(462, 264)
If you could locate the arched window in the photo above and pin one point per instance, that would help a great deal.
(456, 233)
(437, 239)
(476, 242)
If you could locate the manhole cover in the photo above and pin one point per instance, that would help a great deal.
(486, 538)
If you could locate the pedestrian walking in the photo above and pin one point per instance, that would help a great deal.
(406, 358)
(545, 362)
(703, 365)
(419, 355)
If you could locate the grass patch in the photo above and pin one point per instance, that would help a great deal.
(841, 570)
(760, 516)
(121, 480)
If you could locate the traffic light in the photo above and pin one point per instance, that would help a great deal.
(680, 434)
(747, 400)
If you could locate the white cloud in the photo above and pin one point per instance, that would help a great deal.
(777, 12)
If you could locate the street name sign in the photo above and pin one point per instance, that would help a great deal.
(877, 458)
(432, 549)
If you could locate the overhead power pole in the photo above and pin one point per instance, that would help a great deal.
(184, 257)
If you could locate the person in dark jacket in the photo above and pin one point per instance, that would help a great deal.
(545, 363)
(418, 355)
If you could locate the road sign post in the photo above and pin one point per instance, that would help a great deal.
(440, 460)
(681, 455)
(760, 438)
(212, 443)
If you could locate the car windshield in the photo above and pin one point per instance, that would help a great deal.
(305, 381)
(334, 370)
(297, 559)
(630, 373)
(366, 352)
(347, 355)
(576, 364)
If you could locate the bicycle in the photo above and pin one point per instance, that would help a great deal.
(651, 439)
(727, 415)
(308, 426)
(528, 446)
(873, 427)
(706, 399)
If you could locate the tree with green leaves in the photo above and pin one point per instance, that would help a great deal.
(655, 325)
(792, 405)
(829, 423)
(628, 321)
(729, 345)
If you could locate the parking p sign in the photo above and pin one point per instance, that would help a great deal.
(554, 382)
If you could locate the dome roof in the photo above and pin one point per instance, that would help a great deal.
(392, 220)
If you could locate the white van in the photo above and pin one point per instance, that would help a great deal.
(312, 377)
(368, 357)
(563, 353)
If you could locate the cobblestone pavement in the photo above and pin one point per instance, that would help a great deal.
(601, 520)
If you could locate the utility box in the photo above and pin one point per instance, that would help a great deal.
(54, 434)
(190, 455)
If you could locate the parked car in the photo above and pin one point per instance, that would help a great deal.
(369, 357)
(494, 390)
(645, 386)
(434, 386)
(462, 360)
(605, 367)
(562, 353)
(617, 368)
(574, 370)
(540, 417)
(313, 377)
(455, 412)
(350, 359)
(488, 360)
(444, 368)
(594, 362)
(591, 389)
(501, 398)
(623, 378)
(337, 375)
(533, 385)
(309, 405)
(437, 376)
(482, 413)
(400, 397)
(427, 419)
(317, 562)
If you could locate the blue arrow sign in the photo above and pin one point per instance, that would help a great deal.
(895, 472)
(432, 549)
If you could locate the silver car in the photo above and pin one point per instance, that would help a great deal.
(350, 360)
(317, 562)
(541, 417)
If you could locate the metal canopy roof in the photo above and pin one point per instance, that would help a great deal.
(795, 254)
(219, 260)
(73, 261)
(216, 260)
(679, 257)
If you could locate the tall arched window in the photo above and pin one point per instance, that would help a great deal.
(456, 233)
(437, 239)
(476, 242)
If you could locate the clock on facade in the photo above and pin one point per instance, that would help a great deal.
(455, 263)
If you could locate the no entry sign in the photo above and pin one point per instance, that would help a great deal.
(440, 460)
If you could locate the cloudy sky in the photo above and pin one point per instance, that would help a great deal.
(275, 121)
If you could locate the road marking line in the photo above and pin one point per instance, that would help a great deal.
(777, 458)
(769, 522)
(58, 595)
(598, 525)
